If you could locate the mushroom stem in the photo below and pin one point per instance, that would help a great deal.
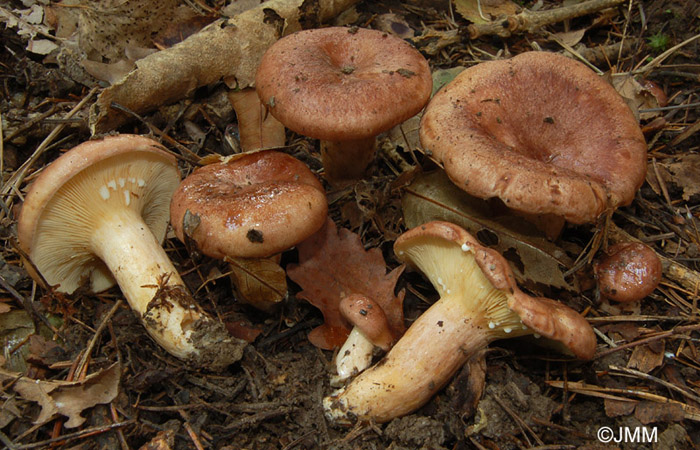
(417, 367)
(154, 289)
(256, 127)
(353, 357)
(347, 160)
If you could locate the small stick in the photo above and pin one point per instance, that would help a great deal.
(19, 175)
(529, 21)
(88, 350)
(664, 383)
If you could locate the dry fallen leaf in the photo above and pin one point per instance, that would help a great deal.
(333, 264)
(647, 357)
(259, 282)
(69, 399)
(637, 95)
(107, 27)
(483, 11)
(534, 259)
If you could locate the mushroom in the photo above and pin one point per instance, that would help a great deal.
(541, 132)
(370, 329)
(479, 302)
(254, 205)
(629, 272)
(98, 214)
(343, 86)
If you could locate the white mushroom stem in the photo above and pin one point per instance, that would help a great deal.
(470, 314)
(347, 160)
(256, 127)
(150, 283)
(353, 357)
(370, 328)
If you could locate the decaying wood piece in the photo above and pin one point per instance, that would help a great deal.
(228, 50)
(529, 21)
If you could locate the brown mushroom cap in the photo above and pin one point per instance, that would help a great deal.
(367, 315)
(629, 272)
(72, 195)
(340, 84)
(540, 131)
(252, 206)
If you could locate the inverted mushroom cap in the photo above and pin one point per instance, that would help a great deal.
(255, 205)
(543, 316)
(82, 186)
(342, 84)
(540, 131)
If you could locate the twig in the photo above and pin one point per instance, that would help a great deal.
(529, 21)
(662, 57)
(519, 421)
(664, 383)
(87, 432)
(16, 179)
(93, 341)
(195, 439)
(675, 333)
(592, 390)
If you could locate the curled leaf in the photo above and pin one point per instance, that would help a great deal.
(534, 259)
(69, 399)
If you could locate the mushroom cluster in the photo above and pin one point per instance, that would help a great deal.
(479, 302)
(98, 214)
(343, 86)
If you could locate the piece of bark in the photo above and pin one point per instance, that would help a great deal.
(228, 50)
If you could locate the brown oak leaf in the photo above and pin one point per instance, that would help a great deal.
(334, 264)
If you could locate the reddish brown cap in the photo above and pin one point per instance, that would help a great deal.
(540, 131)
(544, 316)
(340, 84)
(629, 272)
(252, 206)
(367, 315)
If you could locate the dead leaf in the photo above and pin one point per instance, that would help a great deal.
(243, 330)
(106, 27)
(649, 412)
(636, 95)
(534, 259)
(333, 264)
(684, 173)
(490, 9)
(69, 399)
(645, 358)
(259, 282)
(570, 38)
(394, 24)
(616, 408)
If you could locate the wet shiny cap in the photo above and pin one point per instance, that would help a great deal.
(253, 206)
